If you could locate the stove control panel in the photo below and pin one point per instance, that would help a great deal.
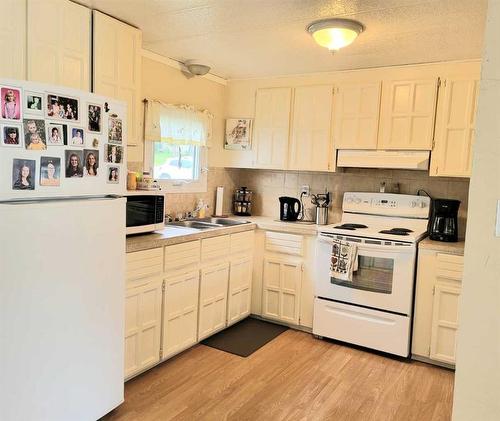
(387, 204)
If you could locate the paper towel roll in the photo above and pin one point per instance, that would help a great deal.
(219, 201)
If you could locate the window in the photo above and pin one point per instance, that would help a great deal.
(176, 162)
(175, 151)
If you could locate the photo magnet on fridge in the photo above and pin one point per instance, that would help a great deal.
(115, 129)
(62, 107)
(74, 159)
(76, 137)
(34, 134)
(91, 162)
(113, 175)
(11, 135)
(50, 171)
(10, 103)
(23, 174)
(94, 113)
(56, 134)
(33, 103)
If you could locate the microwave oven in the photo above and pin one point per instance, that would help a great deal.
(145, 213)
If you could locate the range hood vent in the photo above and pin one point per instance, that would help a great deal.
(403, 160)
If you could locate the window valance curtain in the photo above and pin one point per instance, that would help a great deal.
(177, 124)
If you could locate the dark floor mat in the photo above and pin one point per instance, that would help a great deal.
(245, 337)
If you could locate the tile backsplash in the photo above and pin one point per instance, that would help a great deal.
(269, 185)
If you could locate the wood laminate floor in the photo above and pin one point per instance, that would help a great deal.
(294, 377)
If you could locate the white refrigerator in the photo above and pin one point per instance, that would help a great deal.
(62, 252)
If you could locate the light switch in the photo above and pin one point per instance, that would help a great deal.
(497, 230)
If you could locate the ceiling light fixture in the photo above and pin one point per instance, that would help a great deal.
(335, 33)
(196, 68)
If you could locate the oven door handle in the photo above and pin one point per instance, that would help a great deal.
(365, 246)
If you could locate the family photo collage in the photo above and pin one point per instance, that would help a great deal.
(44, 122)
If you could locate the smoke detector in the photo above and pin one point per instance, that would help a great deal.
(196, 68)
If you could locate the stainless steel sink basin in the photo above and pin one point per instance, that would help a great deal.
(206, 223)
(194, 224)
(223, 221)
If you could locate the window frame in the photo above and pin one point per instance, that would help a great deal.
(181, 186)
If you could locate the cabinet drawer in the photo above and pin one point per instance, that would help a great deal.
(180, 255)
(143, 264)
(284, 243)
(215, 248)
(449, 266)
(241, 242)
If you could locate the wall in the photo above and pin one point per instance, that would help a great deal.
(269, 185)
(477, 380)
(167, 84)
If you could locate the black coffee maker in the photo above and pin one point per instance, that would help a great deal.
(289, 208)
(443, 224)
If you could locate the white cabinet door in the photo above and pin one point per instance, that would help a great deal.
(407, 114)
(240, 289)
(58, 47)
(272, 127)
(180, 319)
(281, 289)
(13, 39)
(117, 67)
(455, 127)
(213, 299)
(444, 323)
(142, 326)
(356, 115)
(311, 141)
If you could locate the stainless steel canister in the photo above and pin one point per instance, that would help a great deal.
(321, 215)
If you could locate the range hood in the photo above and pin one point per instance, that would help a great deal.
(403, 160)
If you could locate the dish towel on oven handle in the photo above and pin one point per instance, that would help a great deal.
(343, 260)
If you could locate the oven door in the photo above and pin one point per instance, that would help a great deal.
(384, 279)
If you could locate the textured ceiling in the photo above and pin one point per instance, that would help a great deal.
(255, 38)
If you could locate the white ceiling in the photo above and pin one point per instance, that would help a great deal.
(255, 38)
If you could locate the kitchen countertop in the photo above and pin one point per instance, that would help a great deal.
(176, 235)
(441, 246)
(272, 224)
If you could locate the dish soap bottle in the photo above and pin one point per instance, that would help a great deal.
(201, 208)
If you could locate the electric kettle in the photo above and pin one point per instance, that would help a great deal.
(289, 208)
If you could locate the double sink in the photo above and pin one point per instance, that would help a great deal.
(206, 223)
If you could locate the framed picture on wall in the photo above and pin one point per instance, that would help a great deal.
(238, 134)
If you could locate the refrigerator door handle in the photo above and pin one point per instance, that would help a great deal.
(58, 199)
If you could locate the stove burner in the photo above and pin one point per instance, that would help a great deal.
(396, 231)
(401, 229)
(350, 227)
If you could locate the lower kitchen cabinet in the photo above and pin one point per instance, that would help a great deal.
(281, 288)
(436, 319)
(444, 323)
(213, 299)
(142, 326)
(240, 289)
(180, 313)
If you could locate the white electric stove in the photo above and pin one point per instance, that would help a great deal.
(374, 309)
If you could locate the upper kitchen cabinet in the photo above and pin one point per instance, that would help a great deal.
(407, 114)
(58, 43)
(272, 127)
(455, 127)
(13, 39)
(311, 143)
(117, 67)
(356, 115)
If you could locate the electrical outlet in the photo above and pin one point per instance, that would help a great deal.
(306, 190)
